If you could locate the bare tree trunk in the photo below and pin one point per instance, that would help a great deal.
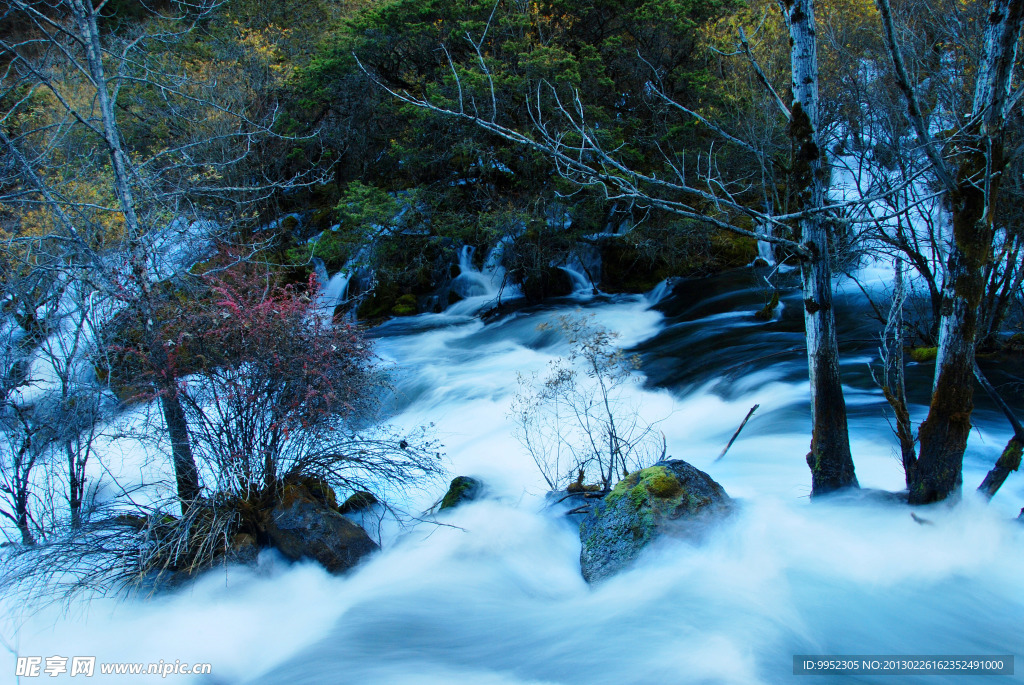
(830, 459)
(23, 527)
(938, 471)
(76, 486)
(894, 385)
(184, 463)
(21, 490)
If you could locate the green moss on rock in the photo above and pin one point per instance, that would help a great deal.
(768, 311)
(463, 489)
(405, 305)
(923, 354)
(670, 498)
(358, 501)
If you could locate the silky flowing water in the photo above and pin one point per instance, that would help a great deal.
(494, 594)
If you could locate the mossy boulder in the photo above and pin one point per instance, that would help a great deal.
(767, 313)
(309, 486)
(671, 498)
(463, 489)
(408, 270)
(923, 355)
(405, 305)
(243, 549)
(358, 501)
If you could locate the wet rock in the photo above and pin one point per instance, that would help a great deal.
(767, 313)
(243, 550)
(671, 498)
(358, 501)
(463, 489)
(539, 284)
(302, 526)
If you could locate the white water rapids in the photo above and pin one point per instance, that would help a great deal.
(496, 596)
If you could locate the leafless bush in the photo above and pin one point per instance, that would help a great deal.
(577, 421)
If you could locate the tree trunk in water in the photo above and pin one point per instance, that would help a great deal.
(938, 471)
(830, 459)
(181, 450)
(1009, 461)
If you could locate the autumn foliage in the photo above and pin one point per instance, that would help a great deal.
(276, 381)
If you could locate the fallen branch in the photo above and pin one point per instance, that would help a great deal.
(737, 433)
(584, 494)
(921, 520)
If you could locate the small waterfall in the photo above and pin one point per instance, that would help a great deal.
(471, 282)
(765, 249)
(662, 290)
(580, 275)
(320, 269)
(580, 283)
(496, 257)
(481, 287)
(335, 291)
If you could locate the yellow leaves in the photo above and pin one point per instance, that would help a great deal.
(263, 45)
(88, 202)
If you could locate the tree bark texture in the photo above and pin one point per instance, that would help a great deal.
(937, 473)
(184, 463)
(830, 459)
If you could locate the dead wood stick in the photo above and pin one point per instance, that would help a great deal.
(737, 433)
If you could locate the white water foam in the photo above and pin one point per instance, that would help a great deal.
(495, 594)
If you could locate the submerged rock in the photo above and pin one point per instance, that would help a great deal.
(670, 498)
(302, 526)
(462, 489)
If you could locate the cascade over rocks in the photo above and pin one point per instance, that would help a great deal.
(671, 498)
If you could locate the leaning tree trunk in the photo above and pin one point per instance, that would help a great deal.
(166, 385)
(830, 459)
(938, 471)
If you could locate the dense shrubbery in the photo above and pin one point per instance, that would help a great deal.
(468, 184)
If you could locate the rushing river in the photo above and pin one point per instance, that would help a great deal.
(495, 596)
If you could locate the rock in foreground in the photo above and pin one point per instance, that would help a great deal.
(301, 526)
(670, 498)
